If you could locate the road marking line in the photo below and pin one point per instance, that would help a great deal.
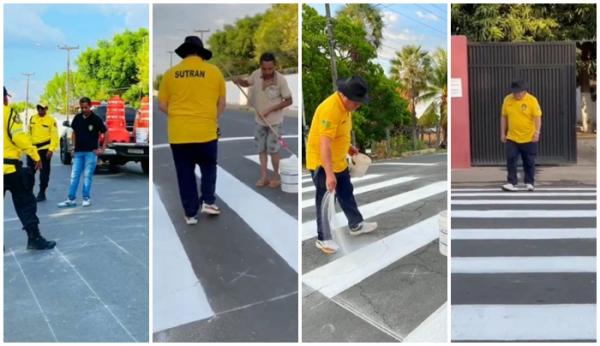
(222, 139)
(126, 252)
(178, 297)
(536, 189)
(309, 228)
(367, 318)
(35, 298)
(77, 211)
(405, 164)
(524, 322)
(256, 159)
(354, 180)
(522, 213)
(522, 233)
(537, 264)
(363, 189)
(273, 225)
(433, 329)
(521, 201)
(96, 294)
(522, 194)
(335, 277)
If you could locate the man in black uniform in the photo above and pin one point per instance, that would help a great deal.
(18, 180)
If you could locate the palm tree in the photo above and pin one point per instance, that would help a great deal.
(437, 92)
(411, 69)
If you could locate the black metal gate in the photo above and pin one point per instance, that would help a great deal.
(549, 69)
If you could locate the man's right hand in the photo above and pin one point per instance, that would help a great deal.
(38, 165)
(330, 182)
(242, 82)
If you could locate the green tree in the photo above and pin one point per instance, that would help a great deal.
(278, 34)
(369, 16)
(436, 92)
(411, 69)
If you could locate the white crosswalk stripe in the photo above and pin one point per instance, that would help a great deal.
(524, 263)
(362, 259)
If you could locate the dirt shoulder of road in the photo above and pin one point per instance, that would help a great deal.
(582, 173)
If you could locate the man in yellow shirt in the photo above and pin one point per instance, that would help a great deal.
(18, 180)
(520, 126)
(192, 94)
(44, 135)
(327, 148)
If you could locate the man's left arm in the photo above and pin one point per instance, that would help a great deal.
(53, 137)
(106, 139)
(537, 118)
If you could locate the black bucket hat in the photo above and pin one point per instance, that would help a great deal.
(193, 44)
(355, 88)
(518, 86)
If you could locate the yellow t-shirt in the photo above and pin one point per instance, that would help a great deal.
(43, 129)
(191, 89)
(332, 120)
(16, 141)
(520, 116)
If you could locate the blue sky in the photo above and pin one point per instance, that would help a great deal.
(421, 24)
(32, 33)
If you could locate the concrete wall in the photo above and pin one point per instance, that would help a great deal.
(235, 97)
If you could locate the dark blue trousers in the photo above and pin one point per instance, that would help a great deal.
(344, 194)
(186, 157)
(528, 154)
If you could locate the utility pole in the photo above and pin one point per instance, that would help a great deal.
(331, 47)
(170, 58)
(28, 75)
(202, 32)
(68, 49)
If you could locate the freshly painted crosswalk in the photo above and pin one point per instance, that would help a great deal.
(402, 253)
(524, 263)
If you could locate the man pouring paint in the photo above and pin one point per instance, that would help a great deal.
(329, 142)
(192, 95)
(270, 95)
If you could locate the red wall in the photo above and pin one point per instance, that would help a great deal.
(460, 141)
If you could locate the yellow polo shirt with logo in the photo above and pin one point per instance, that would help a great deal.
(191, 89)
(332, 120)
(42, 130)
(16, 141)
(520, 116)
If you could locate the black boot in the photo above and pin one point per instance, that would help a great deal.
(41, 196)
(40, 243)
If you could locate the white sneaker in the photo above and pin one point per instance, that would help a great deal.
(327, 246)
(86, 202)
(530, 187)
(191, 220)
(211, 209)
(69, 203)
(509, 187)
(363, 228)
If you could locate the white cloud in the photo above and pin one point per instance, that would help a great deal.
(25, 25)
(389, 17)
(427, 16)
(134, 16)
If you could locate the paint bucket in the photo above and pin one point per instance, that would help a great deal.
(443, 224)
(141, 135)
(358, 165)
(288, 171)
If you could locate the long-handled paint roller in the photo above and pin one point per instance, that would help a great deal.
(280, 139)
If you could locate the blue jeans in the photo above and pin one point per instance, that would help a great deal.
(344, 194)
(528, 154)
(187, 156)
(83, 162)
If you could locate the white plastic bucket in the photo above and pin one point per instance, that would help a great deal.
(141, 135)
(443, 224)
(358, 165)
(288, 170)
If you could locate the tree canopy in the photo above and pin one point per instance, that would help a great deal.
(119, 66)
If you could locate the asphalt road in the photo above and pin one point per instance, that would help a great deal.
(93, 287)
(390, 285)
(524, 263)
(235, 275)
